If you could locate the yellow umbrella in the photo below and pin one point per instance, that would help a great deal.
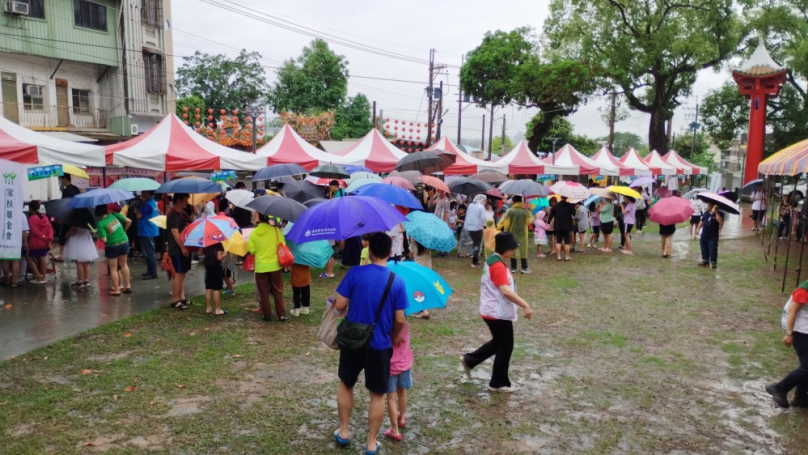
(625, 191)
(74, 171)
(201, 198)
(159, 220)
(236, 244)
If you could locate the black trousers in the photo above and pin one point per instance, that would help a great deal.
(622, 231)
(784, 226)
(799, 377)
(301, 296)
(641, 215)
(501, 346)
(523, 261)
(476, 244)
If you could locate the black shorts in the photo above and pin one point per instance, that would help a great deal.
(214, 277)
(596, 229)
(694, 220)
(182, 264)
(227, 273)
(607, 228)
(63, 230)
(375, 363)
(563, 236)
(627, 228)
(758, 214)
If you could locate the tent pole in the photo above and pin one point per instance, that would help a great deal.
(800, 230)
(104, 177)
(768, 200)
(785, 266)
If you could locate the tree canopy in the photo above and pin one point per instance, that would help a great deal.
(221, 82)
(352, 119)
(624, 141)
(562, 129)
(316, 81)
(701, 156)
(650, 50)
(496, 144)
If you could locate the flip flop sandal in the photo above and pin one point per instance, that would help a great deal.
(224, 312)
(378, 446)
(394, 437)
(117, 294)
(127, 290)
(402, 420)
(209, 312)
(184, 305)
(340, 441)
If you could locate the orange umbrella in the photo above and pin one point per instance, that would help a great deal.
(435, 182)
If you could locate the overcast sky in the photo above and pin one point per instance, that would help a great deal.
(451, 27)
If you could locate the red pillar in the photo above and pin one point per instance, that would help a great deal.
(757, 132)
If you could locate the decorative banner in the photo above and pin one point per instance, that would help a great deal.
(12, 214)
(221, 176)
(43, 172)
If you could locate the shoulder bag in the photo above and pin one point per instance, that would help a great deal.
(285, 256)
(328, 327)
(353, 335)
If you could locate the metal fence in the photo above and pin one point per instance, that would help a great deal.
(29, 115)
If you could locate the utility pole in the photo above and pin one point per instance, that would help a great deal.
(491, 132)
(381, 117)
(612, 115)
(695, 129)
(254, 112)
(482, 140)
(554, 139)
(459, 111)
(439, 112)
(670, 130)
(374, 114)
(502, 146)
(429, 94)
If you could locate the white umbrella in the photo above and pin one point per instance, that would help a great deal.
(240, 198)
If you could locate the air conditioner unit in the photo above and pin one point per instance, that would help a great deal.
(33, 91)
(18, 8)
(133, 129)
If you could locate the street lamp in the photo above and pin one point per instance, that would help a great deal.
(554, 139)
(254, 112)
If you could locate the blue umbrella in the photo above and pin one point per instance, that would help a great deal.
(279, 170)
(749, 188)
(591, 200)
(430, 231)
(344, 217)
(356, 184)
(101, 196)
(425, 288)
(352, 169)
(390, 194)
(190, 186)
(313, 254)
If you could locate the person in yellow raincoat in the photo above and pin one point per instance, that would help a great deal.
(517, 220)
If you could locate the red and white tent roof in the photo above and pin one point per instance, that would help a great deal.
(173, 146)
(678, 162)
(21, 145)
(288, 147)
(654, 159)
(465, 164)
(633, 160)
(605, 157)
(372, 151)
(568, 156)
(521, 160)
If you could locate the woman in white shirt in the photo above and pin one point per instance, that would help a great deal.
(698, 209)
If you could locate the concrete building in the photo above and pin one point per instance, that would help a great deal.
(101, 69)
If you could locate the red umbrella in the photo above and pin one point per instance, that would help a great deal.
(321, 181)
(495, 193)
(435, 182)
(662, 192)
(400, 182)
(671, 210)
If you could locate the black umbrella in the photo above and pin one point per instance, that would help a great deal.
(329, 171)
(425, 162)
(524, 187)
(302, 191)
(490, 176)
(281, 207)
(468, 186)
(70, 217)
(279, 170)
(750, 187)
(312, 202)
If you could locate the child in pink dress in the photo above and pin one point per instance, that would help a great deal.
(400, 381)
(540, 233)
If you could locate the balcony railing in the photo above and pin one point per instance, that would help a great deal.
(54, 116)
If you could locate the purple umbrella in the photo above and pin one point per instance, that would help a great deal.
(345, 217)
(641, 181)
(722, 202)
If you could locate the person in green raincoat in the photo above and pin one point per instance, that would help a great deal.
(516, 221)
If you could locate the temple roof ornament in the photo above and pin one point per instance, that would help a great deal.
(760, 63)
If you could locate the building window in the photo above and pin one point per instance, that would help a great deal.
(81, 101)
(33, 97)
(155, 72)
(36, 8)
(151, 12)
(90, 15)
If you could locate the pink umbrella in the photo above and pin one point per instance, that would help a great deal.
(670, 210)
(570, 190)
(722, 202)
(321, 181)
(400, 182)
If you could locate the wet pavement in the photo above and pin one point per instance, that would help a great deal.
(40, 314)
(35, 315)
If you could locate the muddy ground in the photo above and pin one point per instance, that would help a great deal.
(624, 355)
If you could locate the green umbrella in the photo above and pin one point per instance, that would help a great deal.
(136, 184)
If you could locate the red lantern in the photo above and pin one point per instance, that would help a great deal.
(386, 133)
(223, 112)
(197, 124)
(186, 122)
(249, 126)
(235, 111)
(235, 119)
(184, 115)
(210, 111)
(395, 134)
(196, 110)
(196, 116)
(210, 117)
(210, 125)
(185, 109)
(247, 119)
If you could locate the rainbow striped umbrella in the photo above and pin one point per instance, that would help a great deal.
(209, 231)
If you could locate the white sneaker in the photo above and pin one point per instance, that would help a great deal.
(304, 310)
(465, 366)
(501, 389)
(294, 312)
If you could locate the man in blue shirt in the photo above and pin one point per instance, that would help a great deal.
(712, 220)
(147, 231)
(361, 291)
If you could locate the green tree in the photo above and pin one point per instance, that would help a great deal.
(496, 144)
(316, 81)
(352, 119)
(192, 102)
(562, 129)
(221, 82)
(700, 156)
(725, 115)
(650, 49)
(507, 68)
(624, 141)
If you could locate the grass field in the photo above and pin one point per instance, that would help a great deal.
(624, 354)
